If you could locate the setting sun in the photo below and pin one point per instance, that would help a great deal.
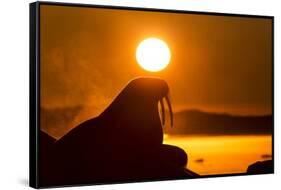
(153, 54)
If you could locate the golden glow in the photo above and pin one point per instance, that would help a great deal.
(153, 54)
(222, 154)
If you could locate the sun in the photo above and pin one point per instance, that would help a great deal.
(153, 54)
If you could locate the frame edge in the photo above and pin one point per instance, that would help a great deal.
(33, 89)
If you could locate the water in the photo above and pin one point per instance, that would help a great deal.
(222, 154)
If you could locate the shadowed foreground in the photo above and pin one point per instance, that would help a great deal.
(261, 167)
(124, 143)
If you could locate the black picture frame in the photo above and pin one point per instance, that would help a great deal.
(34, 82)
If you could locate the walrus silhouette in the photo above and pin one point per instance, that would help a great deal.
(126, 137)
(131, 120)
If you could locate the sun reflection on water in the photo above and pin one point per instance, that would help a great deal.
(222, 154)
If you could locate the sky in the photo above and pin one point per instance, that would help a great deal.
(218, 63)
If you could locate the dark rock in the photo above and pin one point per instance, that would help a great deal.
(266, 156)
(261, 167)
(199, 160)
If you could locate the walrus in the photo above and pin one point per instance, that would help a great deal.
(132, 118)
(126, 137)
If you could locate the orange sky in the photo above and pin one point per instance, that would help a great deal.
(218, 63)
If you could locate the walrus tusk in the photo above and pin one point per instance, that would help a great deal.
(170, 109)
(162, 112)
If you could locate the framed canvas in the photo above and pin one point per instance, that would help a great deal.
(120, 94)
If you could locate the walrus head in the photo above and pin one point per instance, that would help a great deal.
(135, 108)
(147, 90)
(152, 90)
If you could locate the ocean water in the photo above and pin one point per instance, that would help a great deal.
(222, 154)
